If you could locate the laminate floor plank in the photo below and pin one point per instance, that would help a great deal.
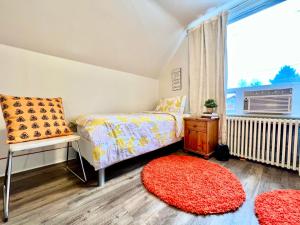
(52, 196)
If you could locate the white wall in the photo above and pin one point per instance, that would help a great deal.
(180, 59)
(84, 88)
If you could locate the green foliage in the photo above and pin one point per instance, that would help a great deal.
(73, 126)
(255, 83)
(286, 74)
(210, 103)
(242, 83)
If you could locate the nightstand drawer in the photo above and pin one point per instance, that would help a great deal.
(201, 135)
(196, 125)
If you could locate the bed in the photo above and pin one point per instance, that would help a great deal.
(107, 139)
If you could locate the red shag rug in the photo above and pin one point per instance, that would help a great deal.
(280, 207)
(193, 185)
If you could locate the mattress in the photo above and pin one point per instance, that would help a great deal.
(108, 139)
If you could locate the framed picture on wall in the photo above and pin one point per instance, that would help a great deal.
(176, 79)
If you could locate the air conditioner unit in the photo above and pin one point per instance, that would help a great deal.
(277, 101)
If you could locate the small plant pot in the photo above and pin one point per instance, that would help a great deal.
(210, 110)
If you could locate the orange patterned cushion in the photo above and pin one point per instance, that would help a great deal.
(30, 119)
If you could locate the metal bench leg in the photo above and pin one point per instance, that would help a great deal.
(101, 177)
(80, 158)
(6, 186)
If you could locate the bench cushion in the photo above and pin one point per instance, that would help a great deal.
(42, 143)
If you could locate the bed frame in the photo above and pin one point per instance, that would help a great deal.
(86, 146)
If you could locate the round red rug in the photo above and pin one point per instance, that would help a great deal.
(278, 207)
(193, 184)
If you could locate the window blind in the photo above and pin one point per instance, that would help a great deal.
(249, 7)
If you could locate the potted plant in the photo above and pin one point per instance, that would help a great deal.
(210, 104)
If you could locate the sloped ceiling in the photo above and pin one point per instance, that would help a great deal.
(185, 11)
(136, 36)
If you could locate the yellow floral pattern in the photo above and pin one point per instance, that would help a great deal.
(122, 136)
(175, 105)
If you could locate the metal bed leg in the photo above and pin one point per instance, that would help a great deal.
(80, 158)
(101, 177)
(6, 186)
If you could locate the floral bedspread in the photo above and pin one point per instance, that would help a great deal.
(116, 137)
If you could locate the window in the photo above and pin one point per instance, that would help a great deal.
(264, 54)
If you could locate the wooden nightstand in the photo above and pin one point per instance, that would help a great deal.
(201, 135)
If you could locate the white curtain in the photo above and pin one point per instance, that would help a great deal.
(207, 67)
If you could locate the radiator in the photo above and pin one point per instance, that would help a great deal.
(266, 140)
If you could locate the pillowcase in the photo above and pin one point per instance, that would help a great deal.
(30, 118)
(175, 104)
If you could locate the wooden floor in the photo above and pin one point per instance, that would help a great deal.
(53, 196)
